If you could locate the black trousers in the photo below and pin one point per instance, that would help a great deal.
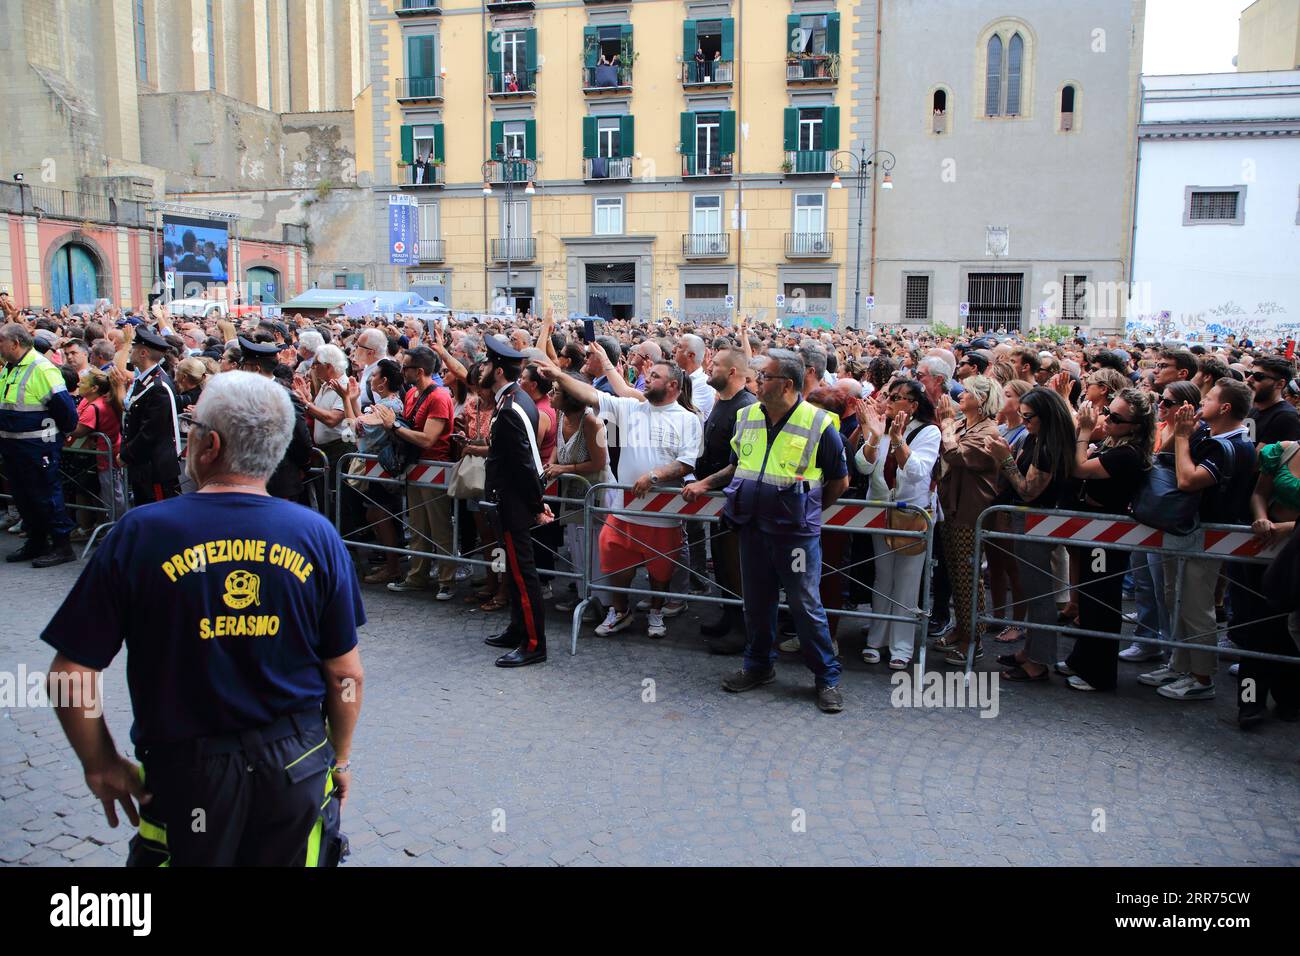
(145, 491)
(1101, 592)
(1257, 625)
(527, 613)
(546, 542)
(259, 798)
(940, 585)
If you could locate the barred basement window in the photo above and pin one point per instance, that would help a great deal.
(1213, 206)
(1074, 299)
(916, 299)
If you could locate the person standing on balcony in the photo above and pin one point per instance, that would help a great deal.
(699, 65)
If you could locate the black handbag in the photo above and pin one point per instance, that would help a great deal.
(1161, 505)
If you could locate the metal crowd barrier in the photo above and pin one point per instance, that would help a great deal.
(319, 473)
(845, 516)
(100, 506)
(436, 474)
(1087, 531)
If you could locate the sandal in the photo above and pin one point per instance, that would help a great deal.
(496, 604)
(898, 664)
(478, 597)
(1009, 660)
(1005, 635)
(1022, 676)
(1068, 613)
(945, 644)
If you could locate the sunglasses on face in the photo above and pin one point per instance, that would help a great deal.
(1168, 403)
(1261, 377)
(1028, 416)
(1115, 419)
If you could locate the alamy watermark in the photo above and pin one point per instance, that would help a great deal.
(946, 689)
(80, 689)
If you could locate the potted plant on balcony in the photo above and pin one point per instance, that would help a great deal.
(786, 166)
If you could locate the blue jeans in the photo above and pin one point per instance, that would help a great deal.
(1148, 594)
(794, 562)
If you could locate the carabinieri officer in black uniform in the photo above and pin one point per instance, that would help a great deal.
(151, 438)
(513, 490)
(239, 612)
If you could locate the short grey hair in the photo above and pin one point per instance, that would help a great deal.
(374, 339)
(472, 346)
(254, 417)
(102, 352)
(650, 349)
(936, 366)
(310, 341)
(789, 365)
(611, 347)
(695, 345)
(814, 358)
(332, 356)
(16, 334)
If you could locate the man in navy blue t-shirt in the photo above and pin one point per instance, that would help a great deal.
(239, 612)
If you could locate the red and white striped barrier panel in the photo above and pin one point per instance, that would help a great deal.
(1239, 544)
(855, 516)
(669, 504)
(1102, 531)
(420, 474)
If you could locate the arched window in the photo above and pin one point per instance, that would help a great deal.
(1015, 60)
(1067, 108)
(74, 276)
(940, 101)
(939, 111)
(993, 78)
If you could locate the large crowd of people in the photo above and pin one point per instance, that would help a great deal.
(950, 424)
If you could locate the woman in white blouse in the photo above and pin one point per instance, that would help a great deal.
(901, 466)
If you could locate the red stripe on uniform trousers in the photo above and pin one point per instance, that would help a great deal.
(529, 624)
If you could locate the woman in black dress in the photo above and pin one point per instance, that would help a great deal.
(1111, 475)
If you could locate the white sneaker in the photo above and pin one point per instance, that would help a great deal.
(1078, 683)
(1130, 618)
(1160, 676)
(643, 604)
(1063, 669)
(547, 593)
(790, 646)
(673, 608)
(655, 624)
(445, 592)
(1232, 669)
(1139, 653)
(1187, 687)
(614, 622)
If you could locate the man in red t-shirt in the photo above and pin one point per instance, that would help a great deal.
(430, 411)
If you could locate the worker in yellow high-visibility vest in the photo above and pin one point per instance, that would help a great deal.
(787, 464)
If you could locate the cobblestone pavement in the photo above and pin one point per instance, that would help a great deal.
(581, 770)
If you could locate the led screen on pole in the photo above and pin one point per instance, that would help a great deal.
(197, 250)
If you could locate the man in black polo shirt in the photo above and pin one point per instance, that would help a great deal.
(727, 378)
(1273, 419)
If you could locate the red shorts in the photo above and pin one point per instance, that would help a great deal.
(625, 545)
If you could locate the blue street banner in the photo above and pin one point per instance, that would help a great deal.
(403, 231)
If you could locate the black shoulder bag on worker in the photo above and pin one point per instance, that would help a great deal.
(398, 454)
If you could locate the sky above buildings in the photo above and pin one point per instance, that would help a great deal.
(1191, 36)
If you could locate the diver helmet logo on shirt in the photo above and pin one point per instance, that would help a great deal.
(241, 589)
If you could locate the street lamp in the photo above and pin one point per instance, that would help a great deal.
(859, 166)
(514, 169)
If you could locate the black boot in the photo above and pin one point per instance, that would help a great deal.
(61, 553)
(31, 550)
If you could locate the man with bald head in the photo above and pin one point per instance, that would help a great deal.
(371, 348)
(689, 356)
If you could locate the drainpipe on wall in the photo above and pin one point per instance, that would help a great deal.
(740, 152)
(875, 145)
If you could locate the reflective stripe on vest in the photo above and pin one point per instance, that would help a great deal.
(19, 394)
(783, 466)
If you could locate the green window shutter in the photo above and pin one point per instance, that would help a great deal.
(588, 137)
(420, 56)
(498, 137)
(494, 51)
(791, 130)
(831, 128)
(530, 139)
(626, 137)
(408, 144)
(727, 133)
(728, 39)
(688, 134)
(689, 43)
(792, 33)
(590, 46)
(530, 54)
(832, 33)
(439, 148)
(625, 35)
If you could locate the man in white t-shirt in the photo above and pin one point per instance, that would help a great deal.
(659, 440)
(689, 355)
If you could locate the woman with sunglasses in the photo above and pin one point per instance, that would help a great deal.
(1112, 473)
(968, 486)
(901, 470)
(1036, 473)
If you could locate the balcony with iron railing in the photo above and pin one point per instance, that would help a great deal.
(606, 78)
(432, 250)
(416, 8)
(706, 164)
(512, 83)
(808, 162)
(419, 177)
(52, 203)
(418, 89)
(813, 69)
(508, 171)
(708, 73)
(606, 168)
(514, 250)
(507, 6)
(706, 245)
(808, 245)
